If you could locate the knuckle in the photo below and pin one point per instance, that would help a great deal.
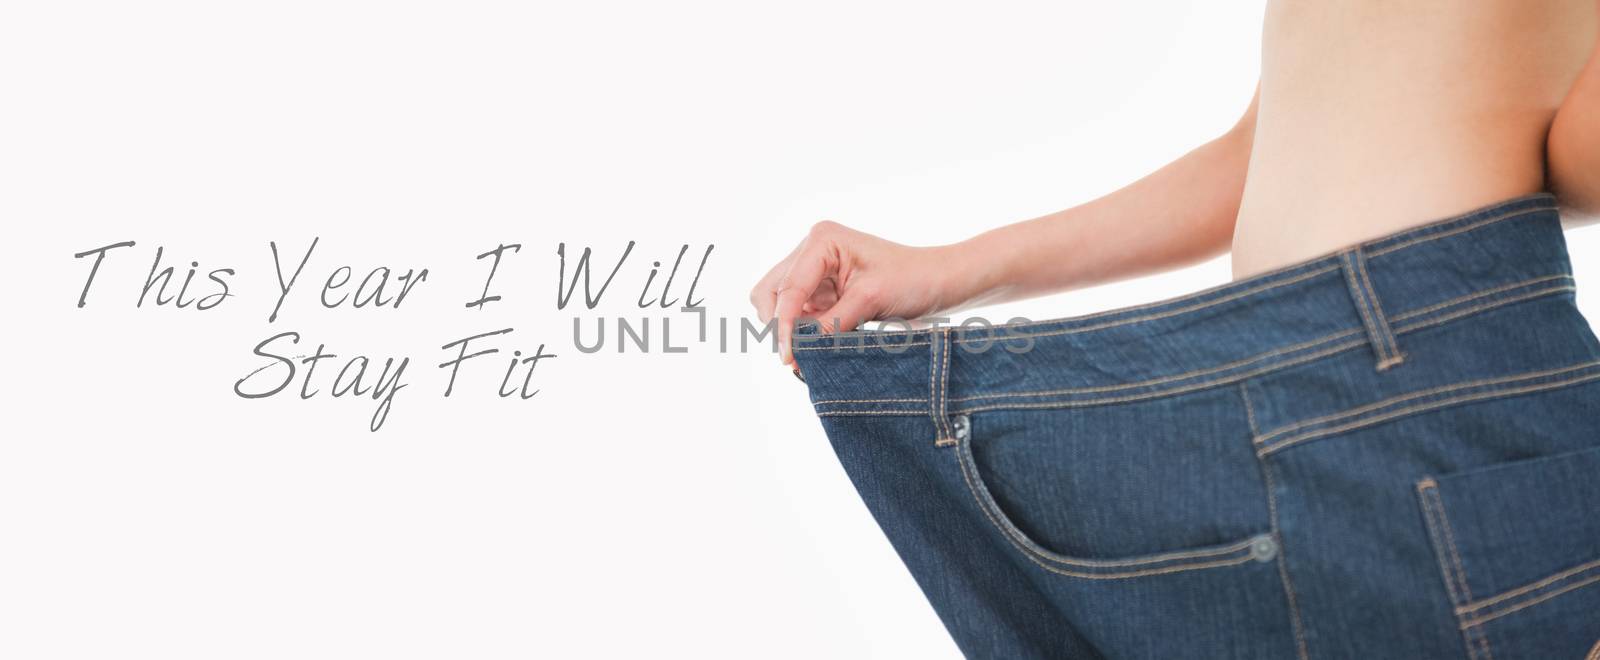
(826, 228)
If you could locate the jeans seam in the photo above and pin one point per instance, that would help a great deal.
(1449, 558)
(1358, 412)
(1535, 586)
(823, 403)
(1478, 621)
(1366, 421)
(1225, 380)
(1475, 295)
(939, 433)
(1328, 339)
(856, 413)
(1470, 621)
(859, 348)
(1314, 343)
(1400, 328)
(944, 385)
(1296, 624)
(1186, 560)
(1395, 357)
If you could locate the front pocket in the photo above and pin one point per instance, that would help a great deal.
(1260, 547)
(1518, 546)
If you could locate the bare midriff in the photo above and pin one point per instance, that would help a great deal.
(1375, 116)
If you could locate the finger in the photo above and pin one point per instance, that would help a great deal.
(765, 300)
(804, 275)
(765, 296)
(848, 314)
(826, 295)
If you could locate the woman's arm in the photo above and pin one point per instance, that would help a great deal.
(1178, 215)
(1573, 147)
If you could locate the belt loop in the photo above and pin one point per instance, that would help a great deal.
(1379, 334)
(938, 379)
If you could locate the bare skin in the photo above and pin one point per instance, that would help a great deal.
(1372, 116)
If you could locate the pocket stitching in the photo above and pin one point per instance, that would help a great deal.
(1357, 413)
(1485, 395)
(1455, 576)
(1535, 586)
(1470, 623)
(1043, 557)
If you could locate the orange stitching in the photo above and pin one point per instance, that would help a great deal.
(1301, 651)
(1281, 351)
(1362, 300)
(852, 413)
(1433, 237)
(1249, 410)
(965, 466)
(1433, 516)
(1399, 317)
(1484, 643)
(1166, 379)
(1529, 603)
(933, 393)
(1450, 540)
(1492, 394)
(819, 403)
(1423, 487)
(1269, 368)
(1422, 393)
(1481, 294)
(1383, 322)
(1471, 607)
(858, 347)
(1398, 329)
(1461, 571)
(1179, 390)
(1484, 307)
(944, 383)
(1117, 575)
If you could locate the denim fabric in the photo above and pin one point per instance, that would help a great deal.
(1391, 452)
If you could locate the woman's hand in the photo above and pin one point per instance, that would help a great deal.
(1178, 215)
(843, 278)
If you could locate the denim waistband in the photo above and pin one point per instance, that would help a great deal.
(1369, 297)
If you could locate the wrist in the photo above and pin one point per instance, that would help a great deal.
(970, 272)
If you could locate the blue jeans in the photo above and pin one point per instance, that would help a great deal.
(1391, 452)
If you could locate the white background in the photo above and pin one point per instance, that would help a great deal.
(641, 505)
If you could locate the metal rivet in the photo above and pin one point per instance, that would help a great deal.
(961, 426)
(1264, 548)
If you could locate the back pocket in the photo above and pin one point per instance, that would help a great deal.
(1518, 546)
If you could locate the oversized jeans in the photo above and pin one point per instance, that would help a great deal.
(1390, 452)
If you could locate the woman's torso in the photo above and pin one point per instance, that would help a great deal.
(1378, 115)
